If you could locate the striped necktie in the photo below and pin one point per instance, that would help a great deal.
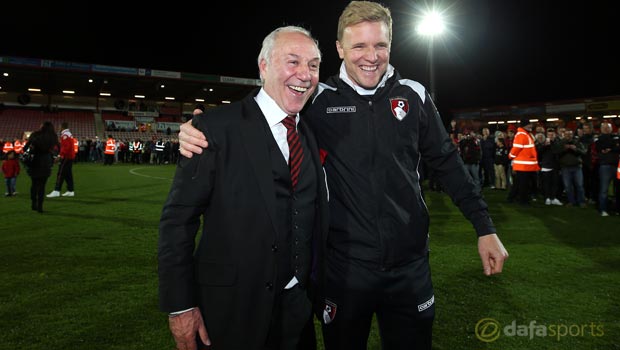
(296, 154)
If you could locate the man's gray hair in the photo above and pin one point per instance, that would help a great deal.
(269, 41)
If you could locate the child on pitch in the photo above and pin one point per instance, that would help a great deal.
(10, 169)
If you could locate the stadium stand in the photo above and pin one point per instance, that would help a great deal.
(15, 121)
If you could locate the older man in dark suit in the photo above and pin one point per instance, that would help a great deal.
(260, 190)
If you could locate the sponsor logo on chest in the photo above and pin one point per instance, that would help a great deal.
(341, 109)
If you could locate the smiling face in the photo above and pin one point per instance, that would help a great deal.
(291, 71)
(365, 49)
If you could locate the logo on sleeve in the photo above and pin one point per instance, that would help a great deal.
(400, 107)
(425, 305)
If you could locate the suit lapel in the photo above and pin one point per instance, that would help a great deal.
(256, 145)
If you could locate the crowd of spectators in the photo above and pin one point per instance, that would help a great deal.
(578, 162)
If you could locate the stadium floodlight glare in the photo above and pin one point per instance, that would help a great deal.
(139, 96)
(225, 101)
(6, 74)
(431, 25)
(34, 89)
(105, 94)
(169, 98)
(199, 100)
(70, 92)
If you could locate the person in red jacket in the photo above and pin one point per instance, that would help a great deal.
(524, 163)
(10, 169)
(66, 157)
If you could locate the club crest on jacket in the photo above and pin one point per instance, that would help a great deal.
(399, 107)
(329, 312)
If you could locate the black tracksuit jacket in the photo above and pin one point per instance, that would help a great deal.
(374, 147)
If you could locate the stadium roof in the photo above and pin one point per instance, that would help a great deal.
(17, 75)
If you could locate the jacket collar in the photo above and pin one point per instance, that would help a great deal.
(360, 90)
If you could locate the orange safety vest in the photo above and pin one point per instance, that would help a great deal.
(18, 147)
(523, 152)
(8, 147)
(76, 145)
(110, 146)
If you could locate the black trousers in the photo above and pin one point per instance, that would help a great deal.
(65, 173)
(402, 298)
(108, 159)
(523, 186)
(289, 320)
(291, 327)
(550, 183)
(37, 192)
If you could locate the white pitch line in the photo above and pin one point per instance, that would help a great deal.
(134, 171)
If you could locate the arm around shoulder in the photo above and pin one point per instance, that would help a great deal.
(191, 140)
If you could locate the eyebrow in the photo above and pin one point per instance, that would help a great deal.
(293, 55)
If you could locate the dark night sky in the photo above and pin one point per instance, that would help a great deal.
(496, 52)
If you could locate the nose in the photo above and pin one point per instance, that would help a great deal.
(371, 54)
(304, 73)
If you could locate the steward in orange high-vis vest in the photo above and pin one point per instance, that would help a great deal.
(8, 147)
(18, 147)
(523, 152)
(110, 148)
(524, 163)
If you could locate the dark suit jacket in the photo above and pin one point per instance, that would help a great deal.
(231, 185)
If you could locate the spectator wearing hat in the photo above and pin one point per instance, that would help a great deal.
(524, 163)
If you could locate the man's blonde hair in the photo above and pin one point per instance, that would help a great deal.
(364, 11)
